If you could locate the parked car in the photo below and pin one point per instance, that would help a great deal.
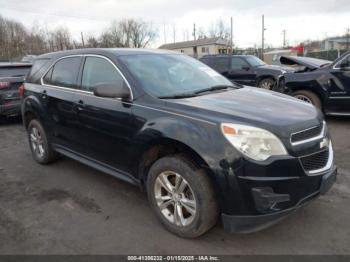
(322, 83)
(195, 142)
(246, 69)
(11, 77)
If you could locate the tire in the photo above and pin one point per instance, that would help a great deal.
(39, 145)
(197, 201)
(267, 83)
(308, 97)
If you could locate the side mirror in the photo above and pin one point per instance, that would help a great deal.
(246, 68)
(111, 91)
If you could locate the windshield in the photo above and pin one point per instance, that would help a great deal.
(254, 61)
(172, 75)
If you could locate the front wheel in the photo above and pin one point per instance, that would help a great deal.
(182, 196)
(308, 97)
(267, 83)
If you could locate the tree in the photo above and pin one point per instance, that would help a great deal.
(219, 29)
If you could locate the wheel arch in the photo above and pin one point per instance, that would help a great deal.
(164, 147)
(30, 110)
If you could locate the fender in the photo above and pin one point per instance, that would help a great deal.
(190, 135)
(32, 104)
(312, 81)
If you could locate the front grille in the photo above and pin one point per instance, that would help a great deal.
(315, 161)
(306, 134)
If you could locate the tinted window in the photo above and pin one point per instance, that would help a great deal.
(38, 64)
(64, 73)
(255, 61)
(238, 63)
(100, 71)
(220, 64)
(345, 62)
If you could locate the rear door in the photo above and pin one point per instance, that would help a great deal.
(104, 123)
(339, 87)
(219, 64)
(241, 72)
(59, 85)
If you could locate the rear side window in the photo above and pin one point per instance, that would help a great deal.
(64, 73)
(37, 66)
(99, 71)
(220, 64)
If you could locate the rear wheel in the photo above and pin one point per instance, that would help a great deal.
(308, 97)
(39, 145)
(182, 196)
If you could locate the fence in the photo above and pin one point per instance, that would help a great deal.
(326, 55)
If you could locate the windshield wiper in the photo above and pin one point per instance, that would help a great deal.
(178, 96)
(214, 88)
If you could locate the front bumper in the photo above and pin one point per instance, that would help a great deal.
(253, 223)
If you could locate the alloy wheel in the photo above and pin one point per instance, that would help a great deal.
(37, 142)
(304, 99)
(265, 84)
(175, 198)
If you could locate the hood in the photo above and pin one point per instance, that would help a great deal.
(277, 68)
(273, 111)
(310, 63)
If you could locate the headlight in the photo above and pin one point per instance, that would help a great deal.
(255, 143)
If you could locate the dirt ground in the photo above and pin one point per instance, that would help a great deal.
(68, 208)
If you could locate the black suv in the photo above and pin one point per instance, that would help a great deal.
(246, 70)
(199, 145)
(12, 76)
(324, 84)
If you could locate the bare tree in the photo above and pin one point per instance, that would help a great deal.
(17, 41)
(219, 29)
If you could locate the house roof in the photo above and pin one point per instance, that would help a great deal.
(342, 39)
(199, 42)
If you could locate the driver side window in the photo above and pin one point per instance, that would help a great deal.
(98, 71)
(238, 63)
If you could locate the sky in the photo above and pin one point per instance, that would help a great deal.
(302, 19)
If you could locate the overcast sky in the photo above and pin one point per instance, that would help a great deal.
(303, 19)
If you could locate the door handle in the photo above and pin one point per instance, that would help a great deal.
(44, 94)
(80, 105)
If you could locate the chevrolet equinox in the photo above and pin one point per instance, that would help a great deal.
(199, 145)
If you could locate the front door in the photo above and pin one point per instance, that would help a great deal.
(339, 86)
(241, 72)
(104, 122)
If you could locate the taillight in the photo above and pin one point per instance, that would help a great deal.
(21, 90)
(4, 85)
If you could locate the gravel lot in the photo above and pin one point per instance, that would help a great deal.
(68, 208)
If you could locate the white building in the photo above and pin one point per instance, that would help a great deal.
(200, 47)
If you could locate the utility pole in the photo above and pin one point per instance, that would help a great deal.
(194, 32)
(164, 31)
(263, 37)
(82, 39)
(231, 42)
(174, 33)
(284, 38)
(348, 38)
